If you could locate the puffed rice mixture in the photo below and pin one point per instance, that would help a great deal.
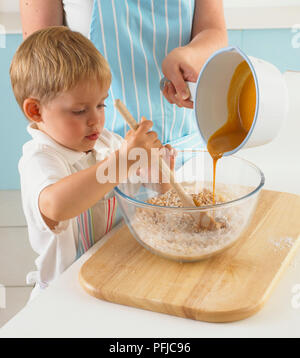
(175, 233)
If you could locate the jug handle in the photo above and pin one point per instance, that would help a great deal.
(191, 85)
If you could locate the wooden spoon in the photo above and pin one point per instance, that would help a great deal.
(205, 220)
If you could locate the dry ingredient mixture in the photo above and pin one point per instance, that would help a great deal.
(177, 234)
(170, 198)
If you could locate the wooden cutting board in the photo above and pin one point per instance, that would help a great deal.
(228, 287)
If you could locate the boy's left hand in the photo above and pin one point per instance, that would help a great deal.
(168, 154)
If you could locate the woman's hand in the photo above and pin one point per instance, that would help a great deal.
(184, 63)
(179, 66)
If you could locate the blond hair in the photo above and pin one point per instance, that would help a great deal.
(55, 60)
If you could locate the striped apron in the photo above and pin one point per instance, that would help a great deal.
(91, 227)
(135, 36)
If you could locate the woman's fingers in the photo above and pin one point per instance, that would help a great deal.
(188, 104)
(179, 69)
(167, 93)
(170, 94)
(180, 86)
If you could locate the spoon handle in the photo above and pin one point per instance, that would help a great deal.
(186, 199)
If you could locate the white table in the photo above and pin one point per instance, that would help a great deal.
(66, 310)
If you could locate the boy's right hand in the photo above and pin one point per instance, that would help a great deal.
(142, 137)
(142, 141)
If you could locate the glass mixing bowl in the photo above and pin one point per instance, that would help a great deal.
(175, 232)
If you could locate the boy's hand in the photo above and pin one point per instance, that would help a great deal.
(147, 140)
(168, 154)
(143, 140)
(142, 137)
(132, 137)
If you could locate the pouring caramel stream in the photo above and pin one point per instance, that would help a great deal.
(241, 103)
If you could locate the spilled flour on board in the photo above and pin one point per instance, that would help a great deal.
(282, 243)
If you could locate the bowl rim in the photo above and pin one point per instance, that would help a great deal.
(206, 207)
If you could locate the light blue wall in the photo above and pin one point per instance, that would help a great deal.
(12, 121)
(272, 45)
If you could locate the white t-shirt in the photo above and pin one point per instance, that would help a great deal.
(79, 15)
(44, 162)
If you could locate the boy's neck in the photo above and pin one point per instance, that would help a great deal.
(35, 126)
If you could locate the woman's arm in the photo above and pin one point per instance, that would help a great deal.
(184, 63)
(209, 29)
(38, 14)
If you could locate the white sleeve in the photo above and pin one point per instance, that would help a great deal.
(37, 172)
(79, 15)
(107, 143)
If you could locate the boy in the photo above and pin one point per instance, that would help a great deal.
(61, 81)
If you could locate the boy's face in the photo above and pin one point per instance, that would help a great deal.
(75, 118)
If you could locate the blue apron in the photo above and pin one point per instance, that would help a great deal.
(135, 36)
